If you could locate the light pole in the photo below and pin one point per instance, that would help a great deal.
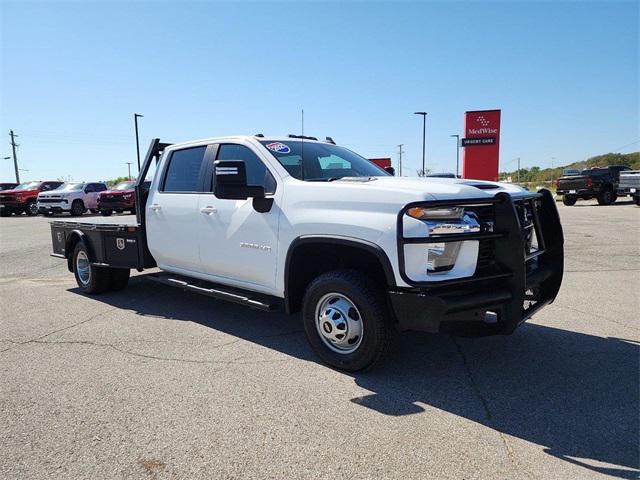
(457, 153)
(135, 120)
(400, 152)
(129, 168)
(424, 134)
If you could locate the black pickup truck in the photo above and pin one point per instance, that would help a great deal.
(599, 183)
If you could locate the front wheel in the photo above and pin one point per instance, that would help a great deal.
(32, 208)
(636, 199)
(347, 320)
(105, 213)
(569, 201)
(77, 208)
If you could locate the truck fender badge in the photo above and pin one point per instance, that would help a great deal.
(120, 243)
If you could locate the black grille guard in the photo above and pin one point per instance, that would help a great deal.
(521, 282)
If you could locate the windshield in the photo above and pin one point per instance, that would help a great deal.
(70, 187)
(321, 162)
(125, 186)
(28, 186)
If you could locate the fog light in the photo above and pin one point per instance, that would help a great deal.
(441, 257)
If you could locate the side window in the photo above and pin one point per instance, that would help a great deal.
(183, 171)
(257, 173)
(89, 188)
(100, 187)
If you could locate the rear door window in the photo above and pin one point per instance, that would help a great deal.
(183, 171)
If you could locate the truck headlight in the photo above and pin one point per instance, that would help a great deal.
(436, 213)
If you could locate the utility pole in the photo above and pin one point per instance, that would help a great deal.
(135, 120)
(129, 167)
(518, 176)
(400, 152)
(457, 153)
(424, 136)
(15, 158)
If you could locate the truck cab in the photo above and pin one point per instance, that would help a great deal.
(313, 227)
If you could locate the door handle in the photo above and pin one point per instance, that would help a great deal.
(208, 210)
(155, 207)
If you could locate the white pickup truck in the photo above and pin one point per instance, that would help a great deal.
(313, 227)
(72, 197)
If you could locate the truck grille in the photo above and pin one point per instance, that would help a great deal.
(49, 200)
(630, 181)
(111, 199)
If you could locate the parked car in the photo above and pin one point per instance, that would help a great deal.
(23, 198)
(7, 186)
(600, 183)
(314, 227)
(119, 199)
(72, 197)
(630, 185)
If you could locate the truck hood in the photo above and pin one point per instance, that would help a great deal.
(436, 188)
(117, 192)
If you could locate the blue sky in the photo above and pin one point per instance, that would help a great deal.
(565, 75)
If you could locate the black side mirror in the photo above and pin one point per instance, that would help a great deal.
(390, 170)
(230, 181)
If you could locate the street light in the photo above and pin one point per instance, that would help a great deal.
(135, 120)
(129, 168)
(457, 153)
(424, 133)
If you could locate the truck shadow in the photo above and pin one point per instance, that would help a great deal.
(574, 394)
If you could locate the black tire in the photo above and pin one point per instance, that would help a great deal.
(99, 278)
(77, 208)
(569, 200)
(119, 278)
(5, 212)
(106, 213)
(32, 208)
(607, 197)
(378, 329)
(636, 199)
(94, 210)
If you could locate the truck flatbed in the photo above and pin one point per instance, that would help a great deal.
(98, 222)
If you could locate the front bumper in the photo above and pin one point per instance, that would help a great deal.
(494, 300)
(13, 205)
(54, 207)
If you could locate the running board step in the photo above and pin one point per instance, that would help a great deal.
(249, 299)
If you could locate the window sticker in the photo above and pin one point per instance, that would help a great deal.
(278, 147)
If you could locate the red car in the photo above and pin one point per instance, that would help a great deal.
(120, 198)
(23, 197)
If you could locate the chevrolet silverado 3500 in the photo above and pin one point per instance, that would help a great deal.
(314, 227)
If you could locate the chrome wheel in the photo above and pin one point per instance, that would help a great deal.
(83, 267)
(339, 323)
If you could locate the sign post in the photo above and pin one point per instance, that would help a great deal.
(481, 145)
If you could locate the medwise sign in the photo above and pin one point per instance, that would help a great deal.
(481, 145)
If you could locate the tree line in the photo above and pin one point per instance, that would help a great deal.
(537, 174)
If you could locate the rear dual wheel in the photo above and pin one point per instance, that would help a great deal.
(93, 279)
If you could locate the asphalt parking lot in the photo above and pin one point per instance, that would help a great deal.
(154, 383)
